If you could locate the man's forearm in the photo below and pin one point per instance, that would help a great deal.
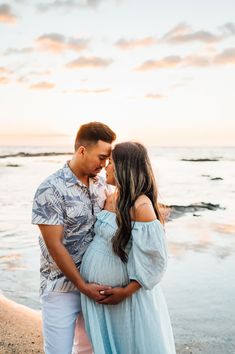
(67, 266)
(53, 238)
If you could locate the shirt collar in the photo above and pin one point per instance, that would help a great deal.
(71, 179)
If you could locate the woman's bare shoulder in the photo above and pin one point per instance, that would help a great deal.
(143, 210)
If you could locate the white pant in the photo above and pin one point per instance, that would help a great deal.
(60, 311)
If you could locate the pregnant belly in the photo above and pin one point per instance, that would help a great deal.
(100, 265)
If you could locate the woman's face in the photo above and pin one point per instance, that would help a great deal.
(110, 178)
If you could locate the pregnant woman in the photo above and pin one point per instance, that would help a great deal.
(129, 254)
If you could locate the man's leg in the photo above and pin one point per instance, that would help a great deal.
(59, 314)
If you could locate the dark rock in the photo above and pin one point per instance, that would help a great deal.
(175, 211)
(26, 154)
(12, 165)
(199, 160)
(216, 179)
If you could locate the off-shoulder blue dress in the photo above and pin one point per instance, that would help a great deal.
(140, 324)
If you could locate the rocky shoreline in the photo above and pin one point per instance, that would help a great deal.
(171, 212)
(38, 154)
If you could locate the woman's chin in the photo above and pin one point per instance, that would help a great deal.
(109, 181)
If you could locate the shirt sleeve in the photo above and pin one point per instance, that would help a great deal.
(147, 258)
(47, 206)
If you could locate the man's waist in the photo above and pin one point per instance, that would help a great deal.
(60, 285)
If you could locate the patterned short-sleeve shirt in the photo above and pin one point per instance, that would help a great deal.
(64, 200)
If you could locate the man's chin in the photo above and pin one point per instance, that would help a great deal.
(93, 174)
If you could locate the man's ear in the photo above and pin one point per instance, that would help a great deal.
(81, 150)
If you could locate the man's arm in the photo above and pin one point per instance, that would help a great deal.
(53, 236)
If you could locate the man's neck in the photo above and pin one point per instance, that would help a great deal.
(78, 173)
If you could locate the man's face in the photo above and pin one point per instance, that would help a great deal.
(95, 157)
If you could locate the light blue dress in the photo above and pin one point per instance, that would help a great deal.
(140, 324)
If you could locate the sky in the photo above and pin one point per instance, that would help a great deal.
(161, 72)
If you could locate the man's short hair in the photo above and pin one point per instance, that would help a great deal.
(89, 134)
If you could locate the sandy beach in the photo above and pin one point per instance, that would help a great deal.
(20, 328)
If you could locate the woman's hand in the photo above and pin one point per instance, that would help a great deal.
(113, 296)
(116, 295)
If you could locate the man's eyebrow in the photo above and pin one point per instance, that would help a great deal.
(104, 155)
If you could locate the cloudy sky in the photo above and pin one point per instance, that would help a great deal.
(162, 72)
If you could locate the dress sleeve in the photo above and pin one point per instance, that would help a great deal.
(47, 206)
(147, 258)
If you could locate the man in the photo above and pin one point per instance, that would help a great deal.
(65, 207)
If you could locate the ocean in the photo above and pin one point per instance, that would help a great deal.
(199, 283)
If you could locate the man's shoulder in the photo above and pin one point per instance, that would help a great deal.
(48, 201)
(55, 181)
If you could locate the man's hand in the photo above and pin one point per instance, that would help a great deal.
(114, 296)
(94, 291)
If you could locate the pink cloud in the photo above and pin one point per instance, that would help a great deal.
(135, 43)
(67, 4)
(6, 14)
(89, 62)
(57, 43)
(197, 60)
(166, 62)
(4, 80)
(226, 57)
(43, 85)
(88, 91)
(11, 51)
(183, 33)
(155, 96)
(3, 70)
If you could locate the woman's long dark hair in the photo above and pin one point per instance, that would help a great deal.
(134, 177)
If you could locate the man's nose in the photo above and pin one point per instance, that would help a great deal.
(102, 163)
